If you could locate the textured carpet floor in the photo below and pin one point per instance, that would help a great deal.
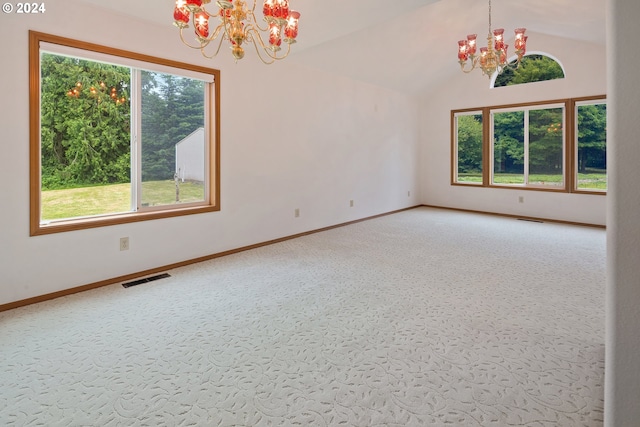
(422, 318)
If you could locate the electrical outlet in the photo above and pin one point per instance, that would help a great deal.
(351, 203)
(124, 243)
(520, 199)
(296, 213)
(408, 193)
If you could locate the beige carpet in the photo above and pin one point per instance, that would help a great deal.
(422, 318)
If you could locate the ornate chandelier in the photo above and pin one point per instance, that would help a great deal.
(492, 58)
(238, 24)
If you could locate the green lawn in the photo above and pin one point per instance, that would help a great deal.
(116, 198)
(590, 181)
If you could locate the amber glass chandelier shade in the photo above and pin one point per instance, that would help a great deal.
(276, 9)
(291, 29)
(181, 16)
(193, 5)
(504, 54)
(521, 40)
(274, 35)
(471, 44)
(498, 36)
(463, 55)
(202, 24)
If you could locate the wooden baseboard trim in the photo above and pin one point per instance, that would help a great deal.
(528, 218)
(141, 274)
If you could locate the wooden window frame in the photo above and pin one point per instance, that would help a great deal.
(574, 145)
(570, 163)
(39, 228)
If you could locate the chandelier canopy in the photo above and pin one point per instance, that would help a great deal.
(238, 24)
(492, 58)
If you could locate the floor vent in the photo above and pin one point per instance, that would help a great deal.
(530, 220)
(145, 280)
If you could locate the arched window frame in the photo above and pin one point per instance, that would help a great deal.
(532, 53)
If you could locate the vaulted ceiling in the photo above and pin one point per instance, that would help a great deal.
(406, 45)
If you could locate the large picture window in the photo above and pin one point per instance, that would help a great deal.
(528, 146)
(553, 145)
(118, 137)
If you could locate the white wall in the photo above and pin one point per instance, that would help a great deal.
(622, 368)
(292, 137)
(584, 66)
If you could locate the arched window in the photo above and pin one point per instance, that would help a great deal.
(536, 67)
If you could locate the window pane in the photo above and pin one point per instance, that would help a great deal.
(85, 138)
(469, 148)
(591, 161)
(508, 147)
(546, 138)
(173, 139)
(533, 68)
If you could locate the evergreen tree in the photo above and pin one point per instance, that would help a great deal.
(545, 141)
(84, 134)
(469, 143)
(533, 68)
(509, 142)
(172, 108)
(592, 137)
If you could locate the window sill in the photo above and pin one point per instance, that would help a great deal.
(60, 226)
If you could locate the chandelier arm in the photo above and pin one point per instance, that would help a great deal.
(473, 63)
(224, 24)
(255, 21)
(186, 43)
(219, 45)
(215, 34)
(265, 49)
(264, 61)
(257, 24)
(204, 42)
(255, 35)
(509, 66)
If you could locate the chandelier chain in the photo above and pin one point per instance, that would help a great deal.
(489, 16)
